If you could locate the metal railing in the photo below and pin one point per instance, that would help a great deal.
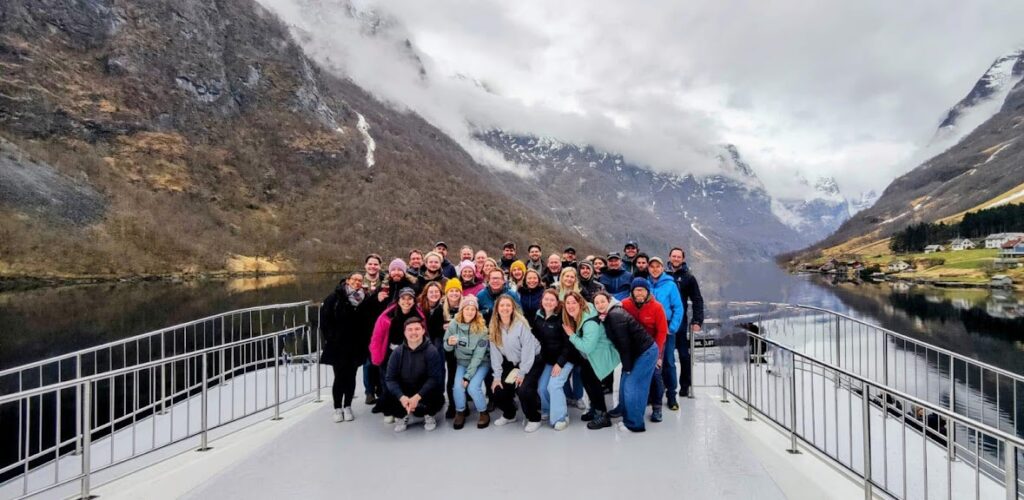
(208, 373)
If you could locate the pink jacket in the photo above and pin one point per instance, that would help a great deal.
(473, 290)
(379, 339)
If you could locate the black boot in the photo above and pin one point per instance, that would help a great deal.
(589, 415)
(600, 421)
(450, 412)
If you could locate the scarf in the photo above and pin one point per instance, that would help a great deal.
(355, 297)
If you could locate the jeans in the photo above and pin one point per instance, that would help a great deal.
(371, 379)
(668, 368)
(552, 392)
(574, 386)
(344, 384)
(634, 387)
(683, 346)
(475, 389)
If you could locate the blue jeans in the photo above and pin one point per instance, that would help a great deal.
(668, 368)
(476, 390)
(574, 387)
(634, 387)
(371, 379)
(552, 392)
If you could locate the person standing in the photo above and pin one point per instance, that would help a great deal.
(516, 275)
(388, 334)
(567, 282)
(431, 302)
(415, 378)
(415, 263)
(589, 285)
(553, 270)
(397, 279)
(665, 291)
(649, 313)
(581, 324)
(535, 258)
(599, 264)
(559, 358)
(432, 269)
(372, 281)
(479, 260)
(450, 308)
(466, 338)
(446, 266)
(515, 361)
(466, 253)
(496, 287)
(639, 355)
(471, 285)
(346, 335)
(616, 280)
(569, 257)
(640, 263)
(371, 275)
(630, 249)
(689, 292)
(508, 255)
(530, 295)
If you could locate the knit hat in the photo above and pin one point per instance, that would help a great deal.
(517, 265)
(453, 283)
(640, 283)
(398, 264)
(410, 292)
(464, 264)
(469, 300)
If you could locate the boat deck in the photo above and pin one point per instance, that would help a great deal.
(705, 450)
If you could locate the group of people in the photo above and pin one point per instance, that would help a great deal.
(540, 332)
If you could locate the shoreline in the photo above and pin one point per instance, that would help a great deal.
(919, 281)
(24, 283)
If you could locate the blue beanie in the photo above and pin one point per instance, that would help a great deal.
(640, 283)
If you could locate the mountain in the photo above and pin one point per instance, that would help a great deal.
(982, 170)
(817, 214)
(152, 137)
(715, 218)
(863, 202)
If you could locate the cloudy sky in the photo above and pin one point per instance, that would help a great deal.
(849, 89)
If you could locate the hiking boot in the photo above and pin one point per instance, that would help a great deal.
(588, 416)
(485, 420)
(600, 421)
(615, 412)
(460, 420)
(656, 414)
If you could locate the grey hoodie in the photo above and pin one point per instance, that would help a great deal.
(518, 346)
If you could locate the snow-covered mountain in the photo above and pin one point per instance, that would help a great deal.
(864, 202)
(818, 213)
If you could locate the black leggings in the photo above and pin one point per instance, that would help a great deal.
(594, 388)
(528, 397)
(344, 384)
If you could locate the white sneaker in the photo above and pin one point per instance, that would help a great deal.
(622, 427)
(402, 424)
(532, 426)
(346, 413)
(504, 421)
(561, 425)
(581, 404)
(429, 423)
(337, 415)
(389, 420)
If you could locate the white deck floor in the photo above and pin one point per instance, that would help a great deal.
(705, 450)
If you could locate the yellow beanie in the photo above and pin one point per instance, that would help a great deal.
(453, 283)
(519, 264)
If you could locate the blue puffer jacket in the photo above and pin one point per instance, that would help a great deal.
(486, 299)
(616, 282)
(667, 294)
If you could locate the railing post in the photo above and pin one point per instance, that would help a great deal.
(205, 408)
(277, 378)
(792, 406)
(689, 390)
(86, 439)
(838, 341)
(865, 395)
(163, 378)
(885, 358)
(1011, 471)
(750, 409)
(78, 404)
(725, 392)
(952, 386)
(318, 316)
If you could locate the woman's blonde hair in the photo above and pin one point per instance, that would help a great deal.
(568, 319)
(575, 285)
(477, 325)
(495, 328)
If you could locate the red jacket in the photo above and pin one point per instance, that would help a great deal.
(652, 316)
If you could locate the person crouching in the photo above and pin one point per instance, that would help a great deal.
(415, 377)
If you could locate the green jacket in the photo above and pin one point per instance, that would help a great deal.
(591, 341)
(470, 350)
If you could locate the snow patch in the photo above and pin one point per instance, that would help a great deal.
(371, 145)
(894, 219)
(997, 151)
(693, 226)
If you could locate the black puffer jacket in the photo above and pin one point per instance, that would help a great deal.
(589, 288)
(627, 335)
(555, 348)
(345, 329)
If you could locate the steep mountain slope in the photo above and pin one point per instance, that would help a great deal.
(715, 218)
(981, 170)
(156, 137)
(818, 214)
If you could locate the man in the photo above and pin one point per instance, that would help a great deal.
(372, 281)
(553, 270)
(666, 292)
(415, 262)
(414, 376)
(508, 256)
(589, 286)
(534, 258)
(496, 287)
(640, 263)
(478, 263)
(446, 266)
(568, 257)
(432, 270)
(689, 291)
(466, 253)
(397, 279)
(651, 315)
(630, 250)
(615, 279)
(372, 277)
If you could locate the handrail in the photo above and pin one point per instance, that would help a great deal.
(141, 336)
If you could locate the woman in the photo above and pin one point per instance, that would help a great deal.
(516, 275)
(489, 265)
(515, 360)
(478, 262)
(586, 333)
(414, 378)
(589, 286)
(346, 334)
(388, 334)
(530, 295)
(559, 358)
(638, 354)
(471, 284)
(599, 264)
(449, 308)
(567, 282)
(466, 338)
(431, 302)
